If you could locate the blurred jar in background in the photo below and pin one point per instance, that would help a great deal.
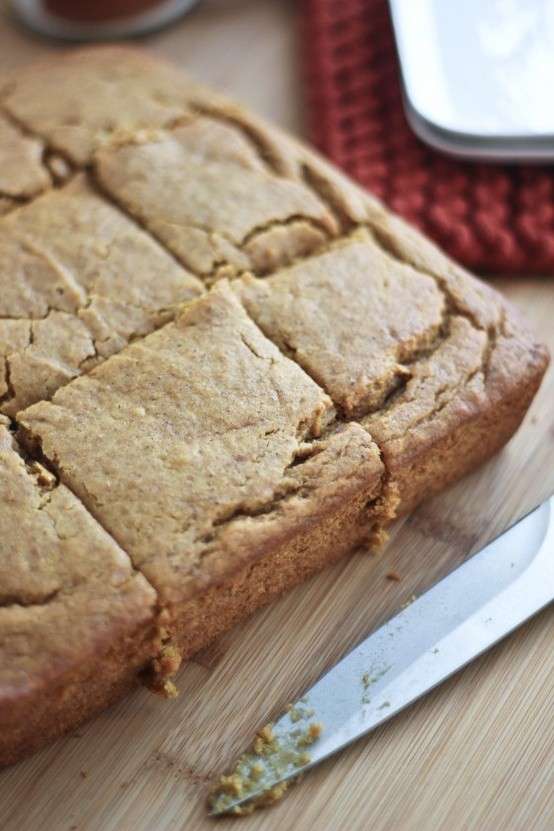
(98, 19)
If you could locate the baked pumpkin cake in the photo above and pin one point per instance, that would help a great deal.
(222, 367)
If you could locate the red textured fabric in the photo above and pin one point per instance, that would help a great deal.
(492, 218)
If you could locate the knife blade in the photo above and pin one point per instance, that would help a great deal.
(463, 615)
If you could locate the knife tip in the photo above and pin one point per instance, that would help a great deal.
(263, 774)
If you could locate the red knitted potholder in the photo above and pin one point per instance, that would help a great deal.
(495, 218)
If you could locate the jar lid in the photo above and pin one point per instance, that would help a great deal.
(99, 20)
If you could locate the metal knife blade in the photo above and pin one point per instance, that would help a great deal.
(474, 607)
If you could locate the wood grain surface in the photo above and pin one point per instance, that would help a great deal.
(478, 753)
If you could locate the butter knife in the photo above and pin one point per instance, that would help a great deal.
(462, 616)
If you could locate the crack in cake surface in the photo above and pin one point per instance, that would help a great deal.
(202, 191)
(124, 90)
(354, 324)
(270, 152)
(438, 379)
(71, 254)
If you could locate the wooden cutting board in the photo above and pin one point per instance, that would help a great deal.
(478, 753)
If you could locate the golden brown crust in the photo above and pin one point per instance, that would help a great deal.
(247, 468)
(75, 618)
(345, 526)
(460, 406)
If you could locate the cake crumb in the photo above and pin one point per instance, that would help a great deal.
(231, 784)
(169, 690)
(297, 713)
(393, 575)
(313, 732)
(264, 740)
(271, 757)
(169, 660)
(162, 668)
(256, 771)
